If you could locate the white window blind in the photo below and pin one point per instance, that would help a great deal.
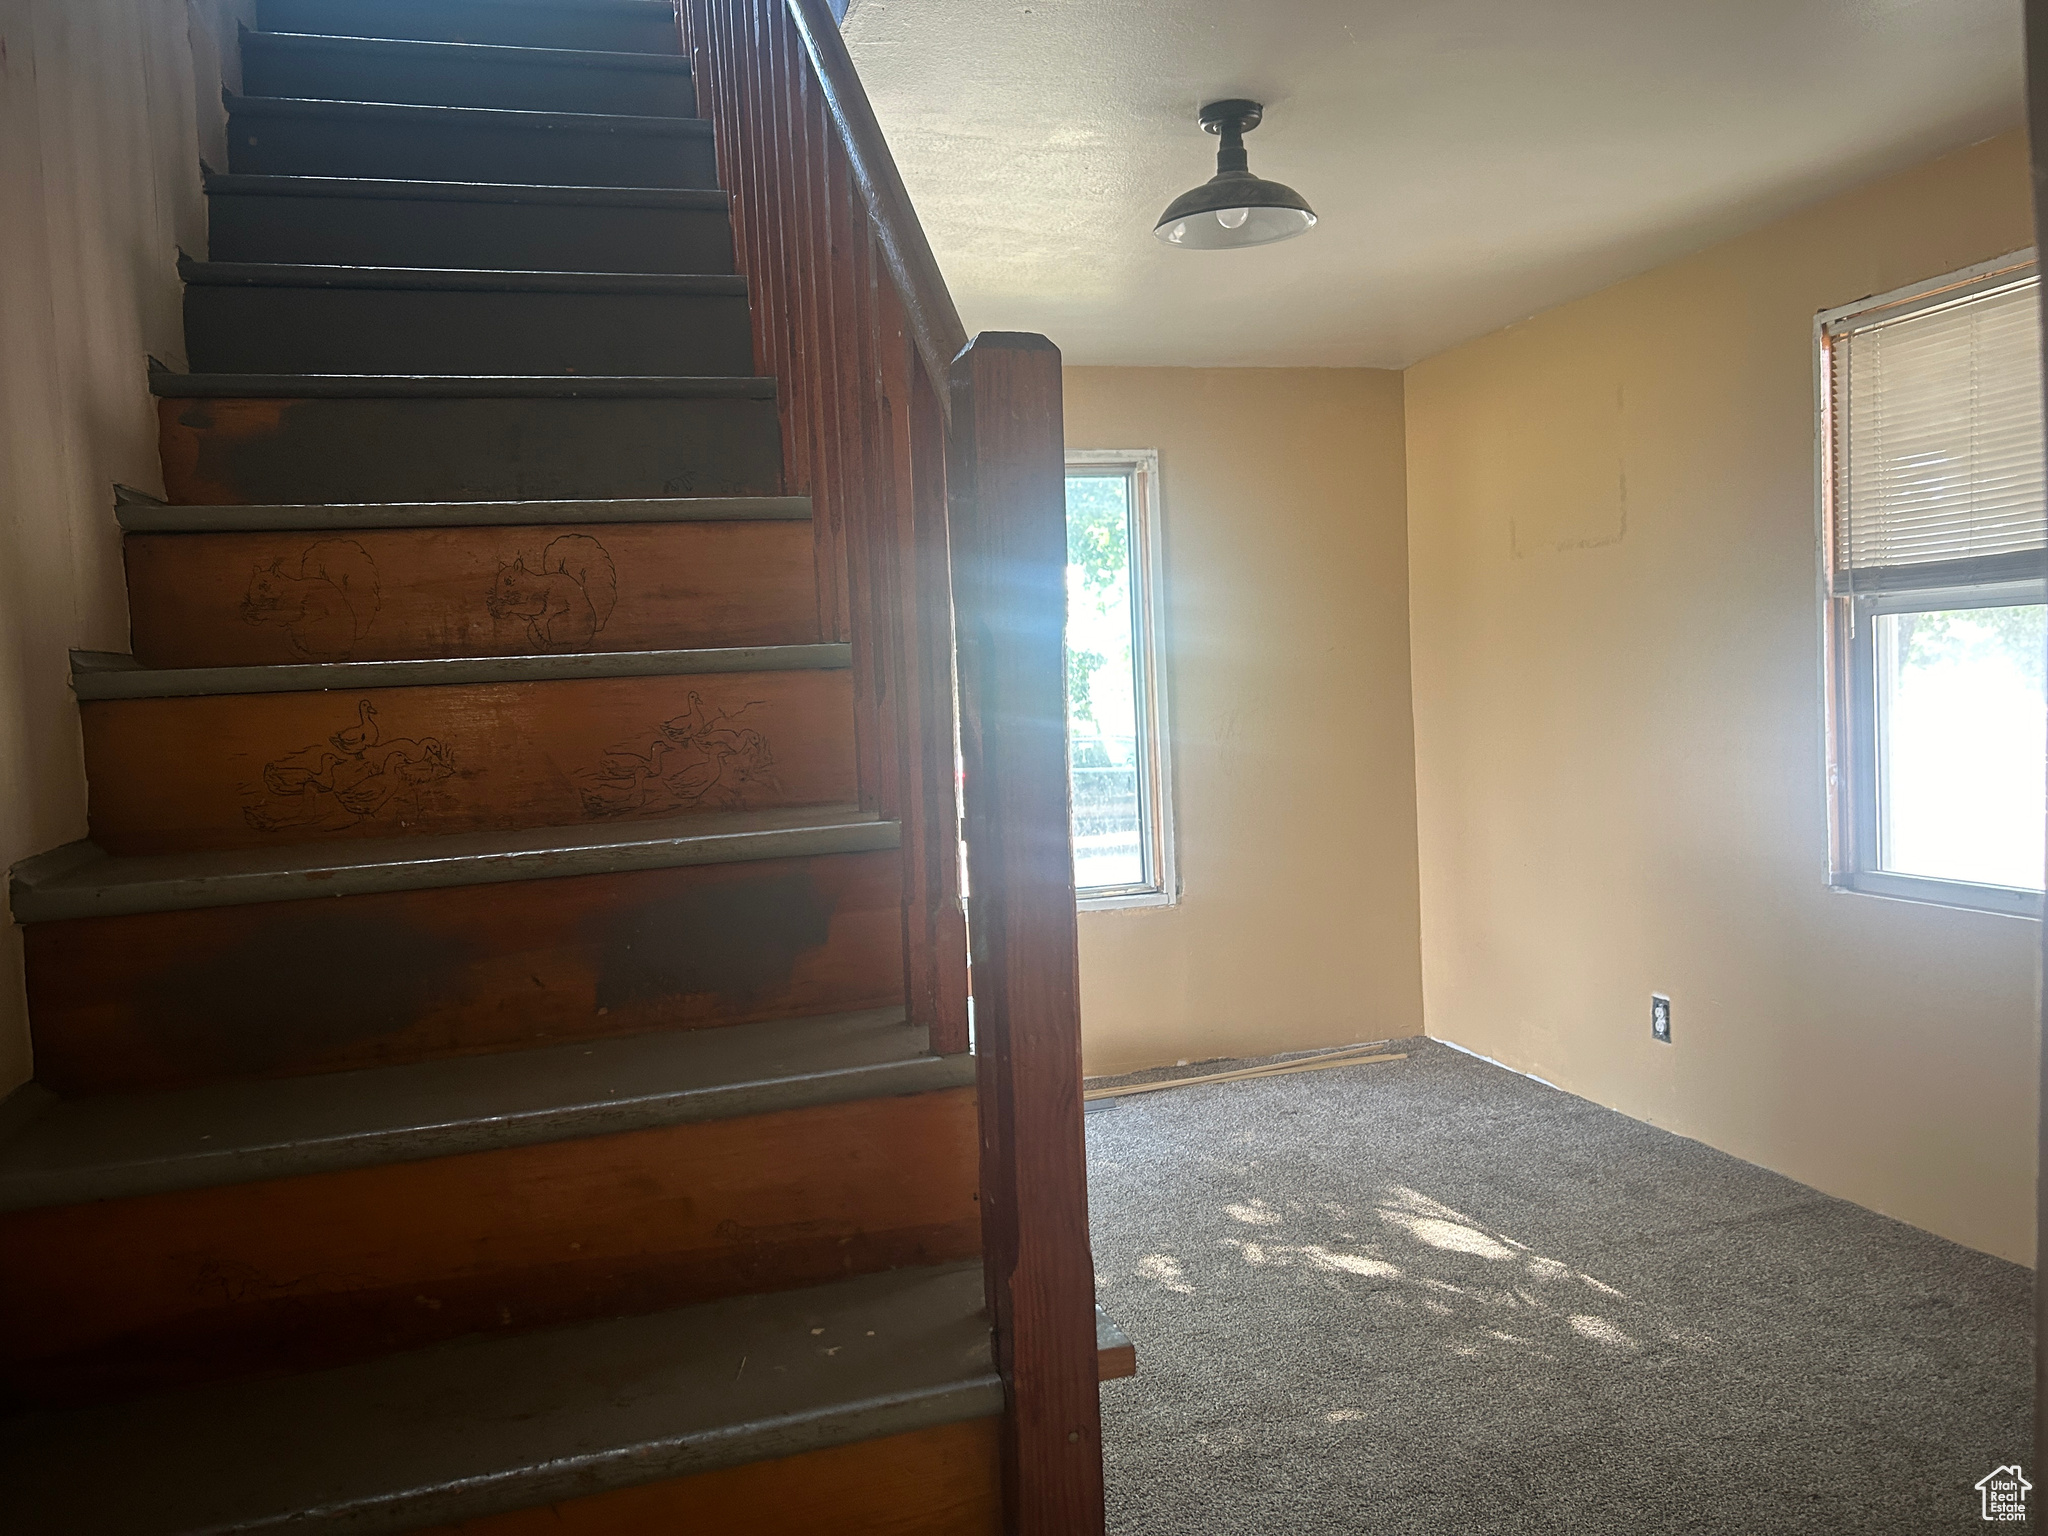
(1938, 458)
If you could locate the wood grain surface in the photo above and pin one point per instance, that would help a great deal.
(169, 999)
(260, 770)
(1010, 546)
(376, 594)
(295, 1274)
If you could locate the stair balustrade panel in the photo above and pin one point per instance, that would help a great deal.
(935, 467)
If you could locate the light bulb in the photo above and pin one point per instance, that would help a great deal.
(1232, 218)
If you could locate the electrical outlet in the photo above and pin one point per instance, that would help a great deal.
(1660, 1017)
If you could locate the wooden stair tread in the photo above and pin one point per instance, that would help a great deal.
(117, 675)
(138, 512)
(247, 184)
(416, 115)
(477, 1427)
(639, 26)
(61, 1151)
(1115, 1355)
(653, 8)
(82, 880)
(662, 9)
(167, 383)
(264, 274)
(465, 53)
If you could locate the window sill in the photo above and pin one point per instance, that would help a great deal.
(1120, 901)
(2004, 900)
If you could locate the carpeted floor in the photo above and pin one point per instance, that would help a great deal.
(1431, 1296)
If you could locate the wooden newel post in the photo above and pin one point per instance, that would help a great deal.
(1007, 494)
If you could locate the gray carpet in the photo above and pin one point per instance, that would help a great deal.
(1431, 1296)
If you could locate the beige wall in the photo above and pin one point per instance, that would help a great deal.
(104, 110)
(1618, 721)
(1287, 659)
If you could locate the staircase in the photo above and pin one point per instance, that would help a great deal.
(501, 1053)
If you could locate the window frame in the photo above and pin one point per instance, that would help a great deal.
(1849, 627)
(1148, 648)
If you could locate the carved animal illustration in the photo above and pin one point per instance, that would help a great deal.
(353, 776)
(695, 760)
(711, 734)
(565, 597)
(325, 600)
(690, 724)
(721, 777)
(620, 786)
(291, 775)
(354, 738)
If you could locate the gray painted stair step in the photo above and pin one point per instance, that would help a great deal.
(265, 319)
(416, 118)
(327, 219)
(258, 274)
(697, 199)
(278, 135)
(117, 675)
(275, 40)
(647, 26)
(167, 384)
(56, 1151)
(481, 1427)
(140, 513)
(82, 880)
(313, 66)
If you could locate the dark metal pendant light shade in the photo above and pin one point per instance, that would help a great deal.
(1234, 207)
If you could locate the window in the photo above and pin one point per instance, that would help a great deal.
(1116, 707)
(1933, 526)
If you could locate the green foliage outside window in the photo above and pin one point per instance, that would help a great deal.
(1955, 635)
(1098, 546)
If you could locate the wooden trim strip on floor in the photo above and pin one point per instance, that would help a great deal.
(1115, 1355)
(1347, 1057)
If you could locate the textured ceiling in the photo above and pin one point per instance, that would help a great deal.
(1473, 161)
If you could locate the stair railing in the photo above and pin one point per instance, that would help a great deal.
(936, 469)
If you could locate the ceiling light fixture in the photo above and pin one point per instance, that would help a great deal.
(1234, 207)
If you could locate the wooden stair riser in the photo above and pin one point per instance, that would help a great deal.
(261, 770)
(317, 69)
(263, 329)
(273, 989)
(643, 29)
(382, 143)
(945, 1481)
(465, 232)
(123, 1296)
(264, 599)
(265, 451)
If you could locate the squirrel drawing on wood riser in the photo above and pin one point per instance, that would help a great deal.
(565, 598)
(324, 604)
